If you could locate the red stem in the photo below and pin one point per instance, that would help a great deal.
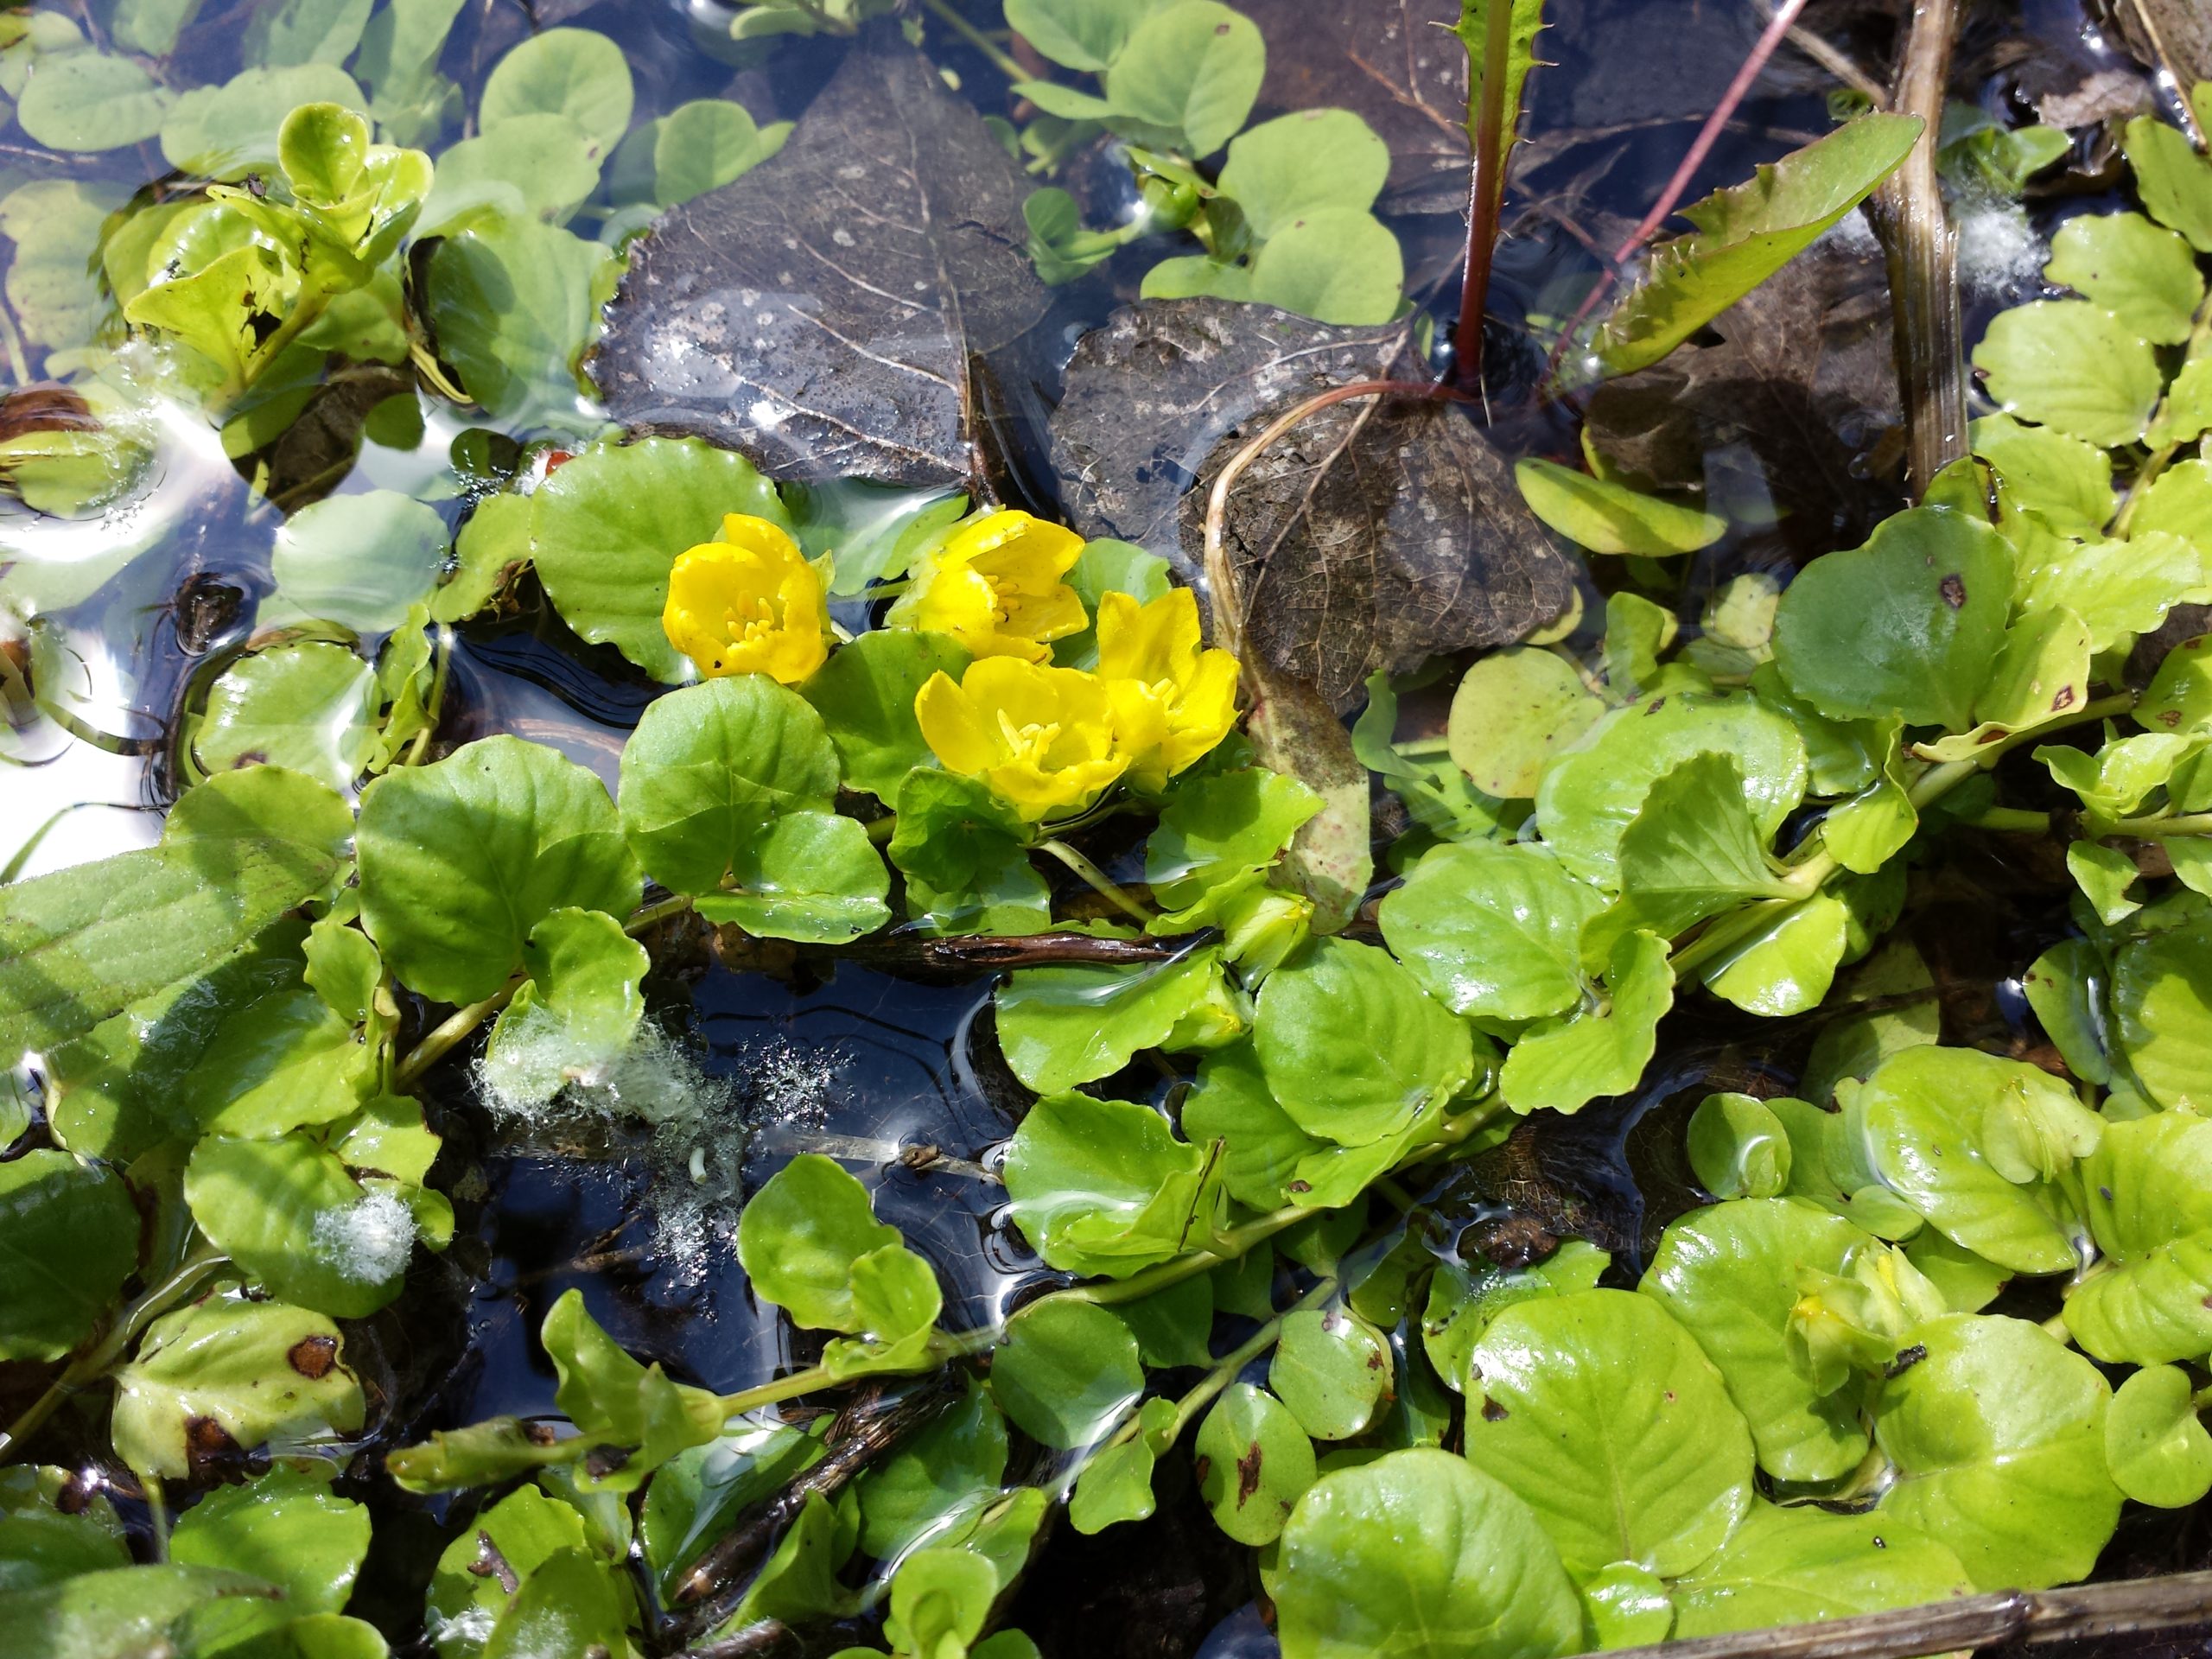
(1708, 135)
(1484, 194)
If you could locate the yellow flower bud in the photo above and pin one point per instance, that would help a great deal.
(748, 604)
(1158, 645)
(1048, 742)
(995, 587)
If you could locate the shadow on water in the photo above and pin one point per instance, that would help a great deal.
(899, 1080)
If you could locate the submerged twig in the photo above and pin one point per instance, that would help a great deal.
(1923, 259)
(2032, 1617)
(2180, 82)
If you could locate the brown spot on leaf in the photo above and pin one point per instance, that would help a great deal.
(313, 1356)
(2170, 717)
(2064, 700)
(207, 1445)
(1492, 1411)
(1906, 1359)
(603, 1461)
(1247, 1475)
(539, 1434)
(1953, 589)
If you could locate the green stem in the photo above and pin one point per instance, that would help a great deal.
(2013, 819)
(2158, 828)
(1096, 878)
(1424, 748)
(880, 830)
(18, 364)
(647, 916)
(98, 1360)
(434, 704)
(982, 42)
(1228, 1248)
(452, 1031)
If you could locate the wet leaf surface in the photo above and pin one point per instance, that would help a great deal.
(1374, 535)
(831, 312)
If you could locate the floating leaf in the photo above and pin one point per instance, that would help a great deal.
(526, 1528)
(1062, 1027)
(291, 1214)
(225, 132)
(1794, 1566)
(1607, 517)
(953, 1466)
(1738, 1147)
(1732, 1274)
(569, 72)
(253, 1371)
(2148, 1193)
(287, 1528)
(575, 1012)
(307, 707)
(2066, 481)
(1513, 712)
(1493, 930)
(2162, 1002)
(1254, 1463)
(2173, 180)
(92, 100)
(2146, 277)
(69, 1236)
(810, 1244)
(1330, 1368)
(1747, 232)
(1352, 1047)
(1103, 1187)
(514, 304)
(1420, 1554)
(1599, 1413)
(1562, 1064)
(1997, 1435)
(305, 31)
(608, 524)
(2155, 1448)
(1066, 1371)
(2073, 365)
(461, 858)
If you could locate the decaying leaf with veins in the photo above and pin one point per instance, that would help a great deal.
(831, 312)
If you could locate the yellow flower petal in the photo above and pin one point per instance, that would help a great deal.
(954, 728)
(1148, 642)
(748, 604)
(995, 586)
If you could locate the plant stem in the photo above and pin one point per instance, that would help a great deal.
(455, 1028)
(975, 38)
(1096, 879)
(660, 910)
(1777, 27)
(2014, 820)
(96, 1361)
(2161, 829)
(1486, 192)
(880, 830)
(435, 703)
(1929, 339)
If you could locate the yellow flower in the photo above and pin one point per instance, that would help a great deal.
(748, 604)
(1048, 742)
(1157, 646)
(995, 587)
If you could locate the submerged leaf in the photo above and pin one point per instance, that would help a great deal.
(833, 311)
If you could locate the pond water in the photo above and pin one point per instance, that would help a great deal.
(749, 1066)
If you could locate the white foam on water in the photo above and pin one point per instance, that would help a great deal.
(368, 1241)
(2000, 256)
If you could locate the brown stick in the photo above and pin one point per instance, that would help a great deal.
(2087, 1610)
(1923, 259)
(980, 954)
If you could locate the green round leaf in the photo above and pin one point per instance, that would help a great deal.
(2148, 1192)
(307, 707)
(800, 1236)
(1232, 1104)
(1908, 624)
(570, 72)
(865, 694)
(1600, 1413)
(1103, 1187)
(1738, 1147)
(2073, 365)
(1512, 712)
(2172, 178)
(1336, 264)
(1589, 795)
(1563, 1064)
(1608, 517)
(1786, 966)
(1998, 1436)
(705, 143)
(1330, 1368)
(538, 167)
(1493, 930)
(2156, 1447)
(1190, 70)
(288, 1212)
(1923, 1123)
(812, 877)
(359, 561)
(1351, 1046)
(1254, 1463)
(90, 101)
(1081, 34)
(259, 1371)
(1303, 163)
(953, 1467)
(709, 768)
(514, 303)
(1063, 1026)
(2162, 1002)
(1732, 1274)
(227, 131)
(527, 1528)
(2067, 481)
(461, 858)
(611, 521)
(287, 1528)
(1794, 1566)
(1420, 1556)
(2146, 277)
(1066, 1371)
(1627, 1607)
(69, 1238)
